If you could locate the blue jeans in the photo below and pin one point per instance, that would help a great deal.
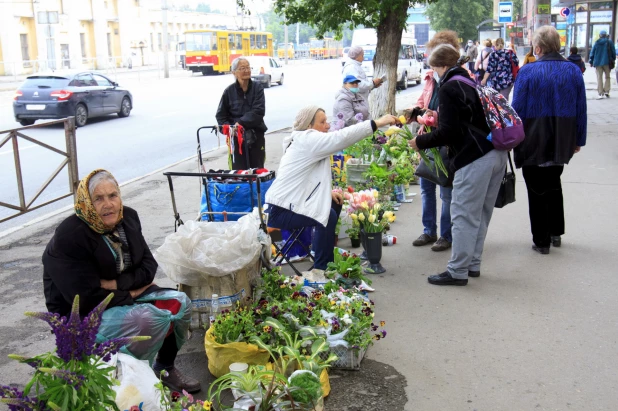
(429, 218)
(324, 238)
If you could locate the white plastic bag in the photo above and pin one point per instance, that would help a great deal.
(137, 385)
(199, 250)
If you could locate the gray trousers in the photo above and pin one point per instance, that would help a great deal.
(475, 190)
(603, 80)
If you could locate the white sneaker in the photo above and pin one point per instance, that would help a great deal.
(600, 97)
(315, 276)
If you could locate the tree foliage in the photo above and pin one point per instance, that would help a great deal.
(462, 16)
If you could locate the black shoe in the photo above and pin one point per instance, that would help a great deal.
(556, 241)
(474, 273)
(607, 95)
(441, 245)
(541, 250)
(424, 239)
(445, 279)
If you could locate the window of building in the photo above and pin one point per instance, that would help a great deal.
(82, 42)
(109, 44)
(151, 42)
(25, 55)
(160, 37)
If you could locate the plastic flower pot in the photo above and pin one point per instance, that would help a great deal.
(373, 246)
(356, 242)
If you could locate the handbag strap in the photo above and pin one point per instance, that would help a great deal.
(506, 169)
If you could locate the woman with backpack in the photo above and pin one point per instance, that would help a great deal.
(500, 69)
(476, 166)
(555, 120)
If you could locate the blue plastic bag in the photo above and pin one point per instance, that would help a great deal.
(147, 320)
(239, 196)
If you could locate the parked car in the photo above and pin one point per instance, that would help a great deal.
(266, 70)
(81, 94)
(409, 67)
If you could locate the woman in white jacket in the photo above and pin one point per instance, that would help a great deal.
(302, 196)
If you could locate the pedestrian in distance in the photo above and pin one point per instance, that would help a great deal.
(476, 166)
(500, 70)
(353, 67)
(603, 58)
(427, 106)
(302, 195)
(529, 57)
(576, 59)
(243, 104)
(472, 52)
(350, 103)
(483, 59)
(550, 98)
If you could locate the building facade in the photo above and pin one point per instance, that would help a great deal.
(96, 34)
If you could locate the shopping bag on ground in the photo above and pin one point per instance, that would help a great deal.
(137, 385)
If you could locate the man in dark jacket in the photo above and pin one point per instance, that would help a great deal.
(550, 98)
(577, 59)
(243, 104)
(602, 54)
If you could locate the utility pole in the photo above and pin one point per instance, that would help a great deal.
(166, 61)
(285, 41)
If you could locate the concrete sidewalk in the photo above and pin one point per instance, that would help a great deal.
(533, 332)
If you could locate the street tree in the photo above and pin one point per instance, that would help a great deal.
(388, 17)
(461, 16)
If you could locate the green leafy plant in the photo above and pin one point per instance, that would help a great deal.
(308, 387)
(347, 266)
(75, 376)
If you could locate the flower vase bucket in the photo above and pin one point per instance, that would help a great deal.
(373, 246)
(363, 240)
(356, 242)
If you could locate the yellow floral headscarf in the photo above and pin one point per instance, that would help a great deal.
(84, 208)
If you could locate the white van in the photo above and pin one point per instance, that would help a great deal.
(266, 70)
(409, 68)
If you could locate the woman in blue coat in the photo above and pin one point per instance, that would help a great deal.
(550, 98)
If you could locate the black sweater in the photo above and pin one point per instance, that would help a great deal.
(246, 109)
(461, 123)
(77, 258)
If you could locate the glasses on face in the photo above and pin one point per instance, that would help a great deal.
(243, 69)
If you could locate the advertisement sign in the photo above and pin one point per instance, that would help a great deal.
(505, 12)
(563, 35)
(601, 16)
(581, 17)
(543, 9)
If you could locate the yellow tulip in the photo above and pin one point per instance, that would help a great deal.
(376, 207)
(372, 218)
(392, 219)
(364, 205)
(392, 130)
(403, 119)
(361, 217)
(376, 194)
(353, 216)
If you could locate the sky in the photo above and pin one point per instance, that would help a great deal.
(226, 6)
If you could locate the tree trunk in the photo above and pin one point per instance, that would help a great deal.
(382, 99)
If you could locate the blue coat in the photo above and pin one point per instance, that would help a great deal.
(550, 98)
(602, 52)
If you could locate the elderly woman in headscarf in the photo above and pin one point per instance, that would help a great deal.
(302, 195)
(243, 104)
(100, 250)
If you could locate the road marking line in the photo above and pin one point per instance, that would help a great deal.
(20, 149)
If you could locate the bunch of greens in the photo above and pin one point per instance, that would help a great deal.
(360, 148)
(347, 266)
(75, 376)
(309, 389)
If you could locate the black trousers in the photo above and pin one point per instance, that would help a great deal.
(252, 156)
(167, 353)
(544, 202)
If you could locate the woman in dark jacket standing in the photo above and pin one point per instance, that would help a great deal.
(478, 169)
(243, 104)
(550, 98)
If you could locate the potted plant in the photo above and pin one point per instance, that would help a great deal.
(354, 234)
(346, 270)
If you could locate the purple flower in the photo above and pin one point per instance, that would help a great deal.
(17, 401)
(383, 334)
(359, 117)
(110, 347)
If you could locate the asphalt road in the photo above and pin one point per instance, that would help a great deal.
(160, 131)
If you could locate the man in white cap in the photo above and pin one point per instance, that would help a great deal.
(603, 58)
(354, 68)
